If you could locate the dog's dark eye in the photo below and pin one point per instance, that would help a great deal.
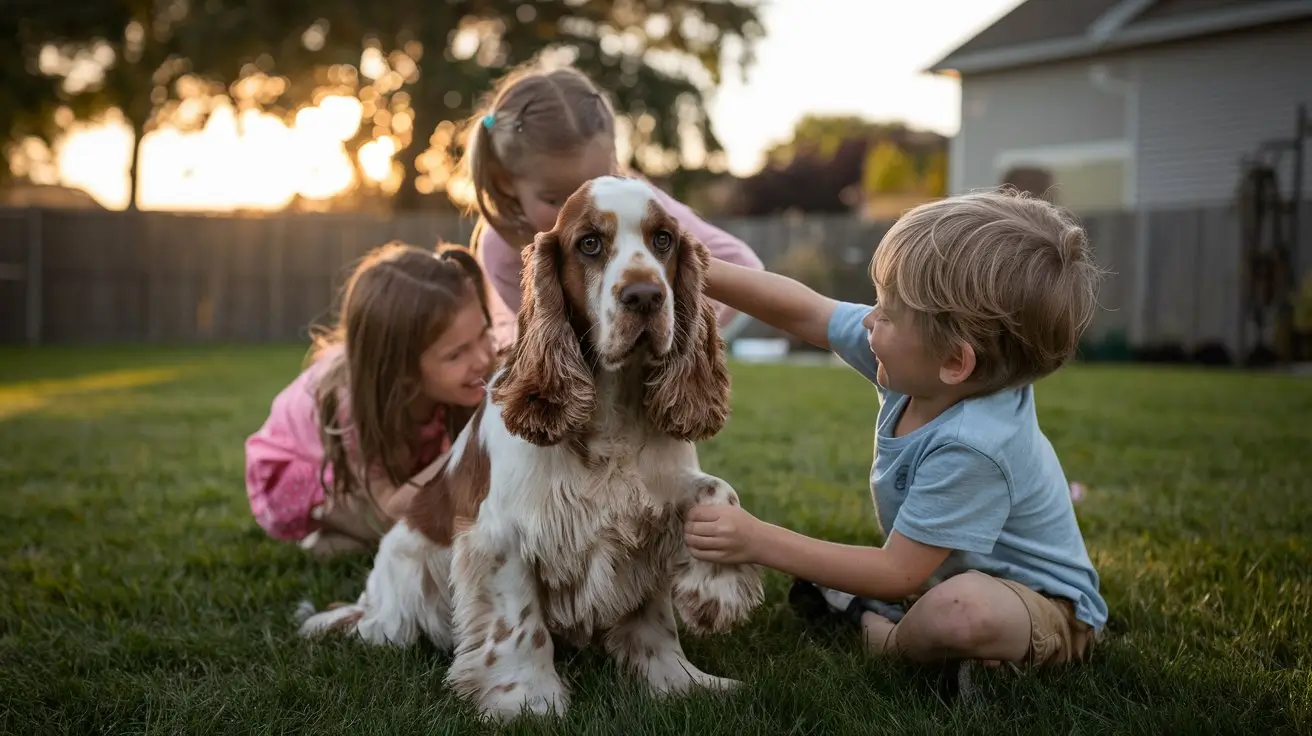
(662, 240)
(590, 245)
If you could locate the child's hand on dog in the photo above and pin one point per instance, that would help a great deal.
(723, 534)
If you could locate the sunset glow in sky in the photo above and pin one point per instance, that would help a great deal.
(264, 165)
(819, 56)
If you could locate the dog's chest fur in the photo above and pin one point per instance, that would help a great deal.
(604, 536)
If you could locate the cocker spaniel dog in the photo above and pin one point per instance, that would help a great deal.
(575, 473)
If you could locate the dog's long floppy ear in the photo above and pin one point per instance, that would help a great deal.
(546, 390)
(688, 393)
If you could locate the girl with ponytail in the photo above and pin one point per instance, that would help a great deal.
(540, 134)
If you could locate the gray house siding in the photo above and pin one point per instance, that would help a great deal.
(1185, 113)
(1038, 108)
(1205, 104)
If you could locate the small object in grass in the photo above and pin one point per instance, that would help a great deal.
(813, 602)
(304, 610)
(1077, 491)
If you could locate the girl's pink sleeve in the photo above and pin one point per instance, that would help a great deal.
(721, 244)
(501, 267)
(283, 459)
(283, 493)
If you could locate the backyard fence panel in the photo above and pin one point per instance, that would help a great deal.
(165, 277)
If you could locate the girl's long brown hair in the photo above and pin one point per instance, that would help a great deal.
(396, 303)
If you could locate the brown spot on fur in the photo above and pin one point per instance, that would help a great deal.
(609, 224)
(700, 613)
(519, 640)
(546, 390)
(508, 687)
(491, 658)
(688, 392)
(501, 632)
(655, 219)
(468, 570)
(524, 612)
(348, 622)
(456, 491)
(500, 559)
(539, 638)
(709, 610)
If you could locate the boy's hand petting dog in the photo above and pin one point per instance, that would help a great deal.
(723, 534)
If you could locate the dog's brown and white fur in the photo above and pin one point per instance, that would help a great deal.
(576, 473)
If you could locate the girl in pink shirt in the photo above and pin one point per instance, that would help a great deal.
(542, 134)
(386, 392)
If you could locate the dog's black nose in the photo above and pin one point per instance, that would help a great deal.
(643, 297)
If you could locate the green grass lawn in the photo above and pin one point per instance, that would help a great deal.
(138, 595)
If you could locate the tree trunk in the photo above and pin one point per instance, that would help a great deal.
(138, 133)
(407, 197)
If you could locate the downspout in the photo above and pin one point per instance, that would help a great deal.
(1103, 79)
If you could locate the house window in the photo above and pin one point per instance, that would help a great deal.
(1084, 177)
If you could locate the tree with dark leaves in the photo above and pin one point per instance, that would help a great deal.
(417, 66)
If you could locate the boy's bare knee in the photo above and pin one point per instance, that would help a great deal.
(953, 617)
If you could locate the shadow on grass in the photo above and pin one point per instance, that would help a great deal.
(795, 681)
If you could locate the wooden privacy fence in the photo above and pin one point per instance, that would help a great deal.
(73, 276)
(154, 277)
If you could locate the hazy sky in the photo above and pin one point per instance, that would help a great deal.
(858, 56)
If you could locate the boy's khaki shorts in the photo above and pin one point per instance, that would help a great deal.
(1056, 635)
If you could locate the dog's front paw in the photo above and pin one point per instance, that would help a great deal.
(504, 703)
(677, 676)
(713, 598)
(713, 491)
(721, 684)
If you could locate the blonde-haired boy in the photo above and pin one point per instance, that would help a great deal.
(977, 297)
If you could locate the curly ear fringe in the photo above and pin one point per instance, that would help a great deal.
(688, 393)
(546, 391)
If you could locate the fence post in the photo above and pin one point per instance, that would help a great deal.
(35, 275)
(1139, 286)
(277, 289)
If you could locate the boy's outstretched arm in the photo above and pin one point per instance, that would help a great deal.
(772, 298)
(729, 534)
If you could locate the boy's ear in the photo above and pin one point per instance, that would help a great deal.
(959, 366)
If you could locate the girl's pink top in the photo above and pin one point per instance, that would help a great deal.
(284, 456)
(502, 264)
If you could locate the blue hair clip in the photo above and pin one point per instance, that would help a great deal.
(488, 119)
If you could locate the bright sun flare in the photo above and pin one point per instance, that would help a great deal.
(250, 160)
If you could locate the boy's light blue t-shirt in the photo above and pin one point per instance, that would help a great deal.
(981, 479)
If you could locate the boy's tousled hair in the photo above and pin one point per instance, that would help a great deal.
(535, 109)
(1009, 274)
(396, 303)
